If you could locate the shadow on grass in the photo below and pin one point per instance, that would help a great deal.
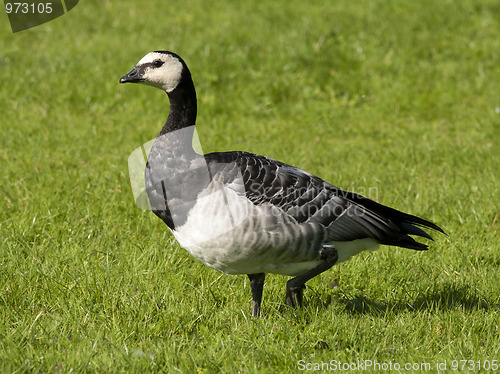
(446, 298)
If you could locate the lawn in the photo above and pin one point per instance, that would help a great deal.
(396, 100)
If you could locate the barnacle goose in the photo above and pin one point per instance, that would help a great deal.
(242, 213)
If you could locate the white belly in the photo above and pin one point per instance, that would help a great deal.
(225, 231)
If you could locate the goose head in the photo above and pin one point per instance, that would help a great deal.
(160, 69)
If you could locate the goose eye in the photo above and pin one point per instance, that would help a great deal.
(158, 63)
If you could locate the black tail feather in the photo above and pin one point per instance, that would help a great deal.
(414, 230)
(408, 224)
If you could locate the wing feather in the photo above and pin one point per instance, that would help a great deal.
(345, 215)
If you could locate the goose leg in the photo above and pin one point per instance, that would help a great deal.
(257, 286)
(295, 286)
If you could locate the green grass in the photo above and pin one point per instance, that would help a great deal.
(397, 98)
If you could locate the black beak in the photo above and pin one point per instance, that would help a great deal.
(133, 77)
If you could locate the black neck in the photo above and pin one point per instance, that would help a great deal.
(182, 106)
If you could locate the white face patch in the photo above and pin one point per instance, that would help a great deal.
(165, 77)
